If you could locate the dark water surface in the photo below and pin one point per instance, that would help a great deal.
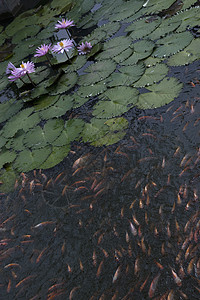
(117, 222)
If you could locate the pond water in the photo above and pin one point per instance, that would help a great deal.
(116, 216)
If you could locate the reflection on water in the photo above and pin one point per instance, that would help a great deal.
(119, 222)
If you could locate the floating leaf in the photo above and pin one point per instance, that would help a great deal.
(152, 75)
(66, 82)
(160, 94)
(113, 47)
(78, 100)
(133, 72)
(187, 56)
(77, 63)
(141, 50)
(3, 140)
(164, 28)
(28, 31)
(28, 160)
(173, 43)
(8, 179)
(97, 72)
(104, 132)
(9, 108)
(56, 156)
(121, 99)
(39, 138)
(125, 10)
(152, 61)
(143, 27)
(70, 133)
(6, 157)
(123, 55)
(17, 142)
(188, 3)
(155, 6)
(59, 108)
(189, 18)
(45, 102)
(92, 90)
(18, 122)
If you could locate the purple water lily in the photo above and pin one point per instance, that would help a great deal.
(42, 50)
(64, 24)
(84, 48)
(10, 68)
(62, 46)
(27, 68)
(15, 74)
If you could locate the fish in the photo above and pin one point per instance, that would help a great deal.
(177, 279)
(116, 275)
(153, 285)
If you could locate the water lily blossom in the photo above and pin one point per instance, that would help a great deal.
(15, 74)
(84, 48)
(42, 50)
(64, 24)
(10, 68)
(62, 46)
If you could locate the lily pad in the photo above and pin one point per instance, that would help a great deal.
(155, 6)
(142, 27)
(28, 160)
(120, 100)
(64, 103)
(19, 121)
(97, 72)
(160, 94)
(39, 138)
(141, 50)
(92, 90)
(56, 156)
(186, 56)
(133, 72)
(113, 47)
(66, 82)
(70, 133)
(172, 43)
(152, 75)
(6, 157)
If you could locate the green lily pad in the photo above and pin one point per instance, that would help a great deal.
(172, 44)
(70, 133)
(133, 72)
(141, 50)
(152, 75)
(45, 102)
(77, 63)
(66, 82)
(58, 109)
(8, 178)
(28, 160)
(160, 94)
(165, 28)
(6, 157)
(123, 55)
(120, 100)
(142, 27)
(97, 72)
(125, 10)
(56, 156)
(186, 56)
(114, 47)
(19, 121)
(27, 32)
(78, 100)
(39, 138)
(92, 90)
(155, 6)
(189, 18)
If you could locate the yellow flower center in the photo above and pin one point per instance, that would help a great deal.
(61, 44)
(22, 66)
(42, 49)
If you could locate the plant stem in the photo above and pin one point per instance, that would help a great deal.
(67, 55)
(22, 80)
(31, 80)
(47, 57)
